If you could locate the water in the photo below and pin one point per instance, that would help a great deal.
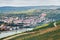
(8, 33)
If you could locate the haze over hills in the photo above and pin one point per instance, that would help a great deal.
(51, 11)
(15, 9)
(8, 9)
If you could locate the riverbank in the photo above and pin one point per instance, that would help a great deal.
(9, 33)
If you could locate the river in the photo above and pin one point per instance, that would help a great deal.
(8, 33)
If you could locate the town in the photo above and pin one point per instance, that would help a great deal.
(14, 23)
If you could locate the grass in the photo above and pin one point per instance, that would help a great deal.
(44, 26)
(48, 36)
(58, 22)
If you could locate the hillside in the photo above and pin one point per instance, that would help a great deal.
(52, 11)
(52, 33)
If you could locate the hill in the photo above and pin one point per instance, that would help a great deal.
(51, 11)
(8, 9)
(50, 33)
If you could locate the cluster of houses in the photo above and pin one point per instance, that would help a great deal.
(27, 21)
(3, 27)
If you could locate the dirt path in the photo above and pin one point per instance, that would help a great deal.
(35, 33)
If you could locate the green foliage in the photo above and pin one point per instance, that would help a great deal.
(44, 26)
(58, 22)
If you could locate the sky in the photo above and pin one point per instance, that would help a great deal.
(29, 2)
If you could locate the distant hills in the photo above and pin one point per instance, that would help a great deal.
(16, 9)
(53, 12)
(8, 9)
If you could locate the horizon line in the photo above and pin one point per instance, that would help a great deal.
(26, 6)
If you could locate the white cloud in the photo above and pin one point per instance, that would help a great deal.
(28, 2)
